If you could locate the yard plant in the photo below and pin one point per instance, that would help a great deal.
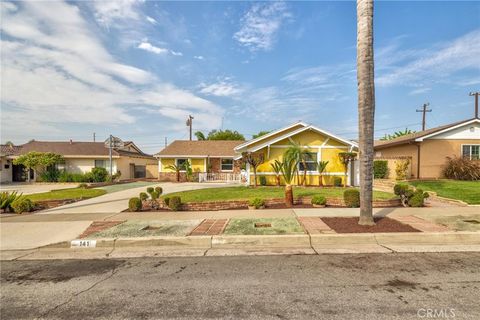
(410, 197)
(134, 204)
(351, 198)
(175, 203)
(6, 200)
(256, 203)
(462, 168)
(22, 204)
(380, 169)
(321, 167)
(319, 200)
(288, 169)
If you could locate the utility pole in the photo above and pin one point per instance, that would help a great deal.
(475, 94)
(189, 124)
(110, 146)
(165, 142)
(94, 137)
(424, 110)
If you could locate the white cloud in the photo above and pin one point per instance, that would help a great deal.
(199, 57)
(222, 88)
(106, 12)
(419, 91)
(437, 63)
(151, 20)
(151, 48)
(176, 53)
(260, 25)
(55, 68)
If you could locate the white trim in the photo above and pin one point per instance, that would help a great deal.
(285, 136)
(447, 129)
(205, 165)
(233, 165)
(246, 143)
(468, 144)
(159, 165)
(325, 142)
(284, 146)
(192, 156)
(311, 173)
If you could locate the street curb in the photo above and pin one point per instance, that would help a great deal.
(265, 241)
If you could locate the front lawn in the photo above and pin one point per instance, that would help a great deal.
(268, 226)
(126, 186)
(467, 191)
(63, 194)
(247, 193)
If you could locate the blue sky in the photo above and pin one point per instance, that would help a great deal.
(137, 69)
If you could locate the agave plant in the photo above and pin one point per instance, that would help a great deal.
(276, 167)
(6, 200)
(288, 168)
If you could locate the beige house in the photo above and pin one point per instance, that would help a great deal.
(80, 157)
(428, 150)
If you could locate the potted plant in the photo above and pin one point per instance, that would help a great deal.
(256, 203)
(319, 201)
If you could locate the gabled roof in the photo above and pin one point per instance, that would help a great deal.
(71, 148)
(421, 135)
(203, 148)
(267, 139)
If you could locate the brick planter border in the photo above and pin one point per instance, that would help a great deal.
(243, 204)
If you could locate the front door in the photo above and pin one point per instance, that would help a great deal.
(19, 173)
(132, 171)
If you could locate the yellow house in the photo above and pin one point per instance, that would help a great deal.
(322, 146)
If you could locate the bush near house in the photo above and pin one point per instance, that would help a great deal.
(460, 168)
(352, 198)
(134, 204)
(99, 174)
(380, 169)
(401, 169)
(337, 181)
(96, 175)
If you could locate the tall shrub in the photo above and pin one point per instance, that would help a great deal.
(401, 169)
(459, 168)
(380, 169)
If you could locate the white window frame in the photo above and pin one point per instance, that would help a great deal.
(176, 162)
(311, 161)
(105, 163)
(221, 164)
(470, 153)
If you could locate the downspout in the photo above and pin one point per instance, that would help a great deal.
(418, 160)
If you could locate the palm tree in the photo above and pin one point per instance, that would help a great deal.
(175, 168)
(321, 166)
(288, 168)
(300, 154)
(200, 136)
(366, 107)
(276, 167)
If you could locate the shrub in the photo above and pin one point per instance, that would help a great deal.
(143, 196)
(319, 200)
(410, 197)
(462, 169)
(22, 204)
(159, 190)
(401, 168)
(50, 175)
(150, 190)
(7, 198)
(154, 195)
(337, 181)
(263, 180)
(418, 198)
(166, 200)
(351, 198)
(257, 203)
(99, 174)
(134, 204)
(380, 169)
(175, 203)
(83, 185)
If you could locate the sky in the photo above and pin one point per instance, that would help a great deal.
(136, 69)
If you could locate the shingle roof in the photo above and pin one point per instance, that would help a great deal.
(8, 149)
(413, 136)
(67, 148)
(211, 148)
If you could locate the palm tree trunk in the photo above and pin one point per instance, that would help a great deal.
(366, 106)
(320, 180)
(288, 195)
(278, 181)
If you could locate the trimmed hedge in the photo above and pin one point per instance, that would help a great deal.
(352, 198)
(134, 204)
(319, 200)
(175, 203)
(257, 203)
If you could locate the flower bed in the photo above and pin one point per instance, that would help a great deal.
(272, 203)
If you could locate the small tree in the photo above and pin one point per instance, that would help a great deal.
(177, 170)
(288, 169)
(254, 160)
(200, 136)
(261, 133)
(188, 170)
(225, 135)
(301, 155)
(321, 167)
(346, 158)
(36, 160)
(277, 167)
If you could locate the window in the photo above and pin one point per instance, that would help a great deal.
(100, 163)
(310, 161)
(181, 163)
(471, 151)
(227, 165)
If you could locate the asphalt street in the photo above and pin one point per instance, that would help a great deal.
(360, 286)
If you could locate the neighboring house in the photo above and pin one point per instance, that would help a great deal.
(322, 145)
(215, 157)
(80, 157)
(428, 150)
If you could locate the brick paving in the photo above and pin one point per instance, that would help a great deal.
(314, 225)
(210, 227)
(98, 226)
(421, 224)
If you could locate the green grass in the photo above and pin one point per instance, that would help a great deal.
(468, 191)
(460, 223)
(126, 186)
(133, 228)
(247, 193)
(63, 194)
(279, 226)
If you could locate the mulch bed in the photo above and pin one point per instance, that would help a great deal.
(350, 225)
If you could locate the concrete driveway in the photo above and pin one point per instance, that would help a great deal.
(30, 188)
(118, 201)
